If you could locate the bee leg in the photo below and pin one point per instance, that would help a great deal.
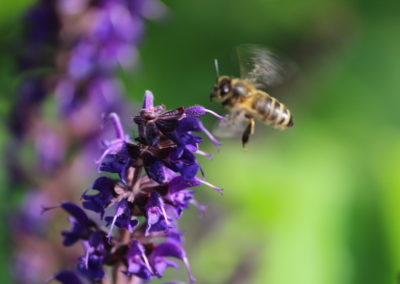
(248, 132)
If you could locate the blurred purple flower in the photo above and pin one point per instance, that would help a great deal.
(71, 50)
(50, 150)
(28, 220)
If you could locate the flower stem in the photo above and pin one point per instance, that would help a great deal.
(135, 182)
(133, 177)
(118, 277)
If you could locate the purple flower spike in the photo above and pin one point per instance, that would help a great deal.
(168, 249)
(157, 176)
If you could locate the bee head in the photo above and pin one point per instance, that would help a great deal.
(221, 89)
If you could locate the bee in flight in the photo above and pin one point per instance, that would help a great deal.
(247, 98)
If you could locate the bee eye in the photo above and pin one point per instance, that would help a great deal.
(225, 86)
(225, 89)
(239, 90)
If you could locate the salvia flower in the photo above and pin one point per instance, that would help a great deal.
(157, 173)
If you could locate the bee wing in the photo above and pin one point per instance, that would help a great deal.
(262, 67)
(231, 126)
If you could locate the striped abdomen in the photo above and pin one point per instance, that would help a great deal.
(271, 111)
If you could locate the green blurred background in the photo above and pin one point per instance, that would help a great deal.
(318, 204)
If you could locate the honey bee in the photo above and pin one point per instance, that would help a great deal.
(247, 96)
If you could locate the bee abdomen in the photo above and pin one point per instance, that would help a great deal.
(273, 112)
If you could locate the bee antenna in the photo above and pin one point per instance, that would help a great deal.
(216, 65)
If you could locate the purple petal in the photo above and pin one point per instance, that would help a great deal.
(115, 163)
(158, 226)
(157, 219)
(117, 125)
(67, 277)
(190, 171)
(197, 111)
(160, 265)
(170, 249)
(220, 190)
(104, 184)
(123, 222)
(122, 218)
(138, 269)
(93, 268)
(177, 153)
(76, 212)
(175, 236)
(135, 248)
(181, 200)
(193, 124)
(155, 171)
(202, 153)
(138, 264)
(148, 100)
(76, 233)
(179, 183)
(98, 202)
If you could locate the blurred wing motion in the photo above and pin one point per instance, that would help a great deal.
(231, 126)
(263, 68)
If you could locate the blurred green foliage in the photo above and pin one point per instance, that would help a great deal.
(316, 204)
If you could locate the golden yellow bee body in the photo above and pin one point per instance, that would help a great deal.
(262, 106)
(246, 97)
